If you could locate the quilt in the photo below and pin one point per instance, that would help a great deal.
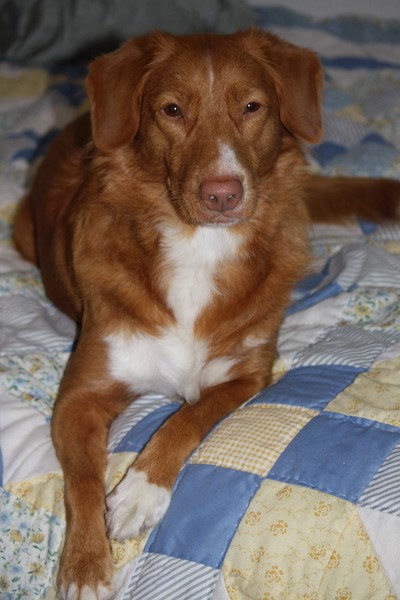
(296, 495)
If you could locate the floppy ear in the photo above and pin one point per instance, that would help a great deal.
(114, 89)
(298, 78)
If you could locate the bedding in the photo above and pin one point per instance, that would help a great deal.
(296, 495)
(42, 32)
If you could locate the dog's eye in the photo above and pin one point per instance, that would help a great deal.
(173, 110)
(251, 107)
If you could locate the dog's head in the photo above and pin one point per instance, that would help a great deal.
(207, 114)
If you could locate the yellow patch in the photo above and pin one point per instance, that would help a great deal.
(314, 547)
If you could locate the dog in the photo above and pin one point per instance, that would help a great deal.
(171, 223)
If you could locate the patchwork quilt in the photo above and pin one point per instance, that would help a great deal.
(296, 495)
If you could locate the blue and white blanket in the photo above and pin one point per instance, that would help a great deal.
(297, 494)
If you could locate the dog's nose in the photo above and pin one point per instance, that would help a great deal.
(221, 195)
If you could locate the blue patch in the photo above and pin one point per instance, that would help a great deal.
(329, 454)
(357, 62)
(137, 437)
(75, 70)
(41, 143)
(375, 138)
(367, 227)
(369, 158)
(206, 508)
(348, 27)
(335, 99)
(311, 387)
(310, 282)
(73, 92)
(328, 291)
(363, 30)
(281, 17)
(326, 151)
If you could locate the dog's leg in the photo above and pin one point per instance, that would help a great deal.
(143, 496)
(84, 410)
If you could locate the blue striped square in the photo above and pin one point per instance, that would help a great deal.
(337, 454)
(383, 493)
(311, 387)
(347, 345)
(139, 435)
(167, 578)
(206, 507)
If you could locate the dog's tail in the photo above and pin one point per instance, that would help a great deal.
(336, 199)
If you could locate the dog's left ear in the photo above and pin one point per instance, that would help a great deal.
(113, 86)
(298, 78)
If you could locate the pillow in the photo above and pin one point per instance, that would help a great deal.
(44, 32)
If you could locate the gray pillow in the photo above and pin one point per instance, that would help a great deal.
(51, 31)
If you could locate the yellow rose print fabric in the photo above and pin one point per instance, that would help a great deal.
(314, 548)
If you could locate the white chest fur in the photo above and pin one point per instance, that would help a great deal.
(175, 362)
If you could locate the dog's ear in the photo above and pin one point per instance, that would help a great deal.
(298, 79)
(113, 86)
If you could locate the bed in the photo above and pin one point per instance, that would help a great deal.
(296, 495)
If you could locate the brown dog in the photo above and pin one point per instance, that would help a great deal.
(172, 225)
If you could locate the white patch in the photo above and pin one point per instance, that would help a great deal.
(216, 371)
(191, 267)
(86, 593)
(169, 364)
(175, 362)
(228, 164)
(135, 505)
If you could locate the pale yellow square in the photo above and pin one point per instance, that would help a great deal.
(252, 438)
(295, 543)
(373, 395)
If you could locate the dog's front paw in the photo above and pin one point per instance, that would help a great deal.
(85, 573)
(72, 592)
(135, 505)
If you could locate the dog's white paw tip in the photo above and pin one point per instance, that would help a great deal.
(72, 592)
(135, 505)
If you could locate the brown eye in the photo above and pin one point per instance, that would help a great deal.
(173, 110)
(251, 107)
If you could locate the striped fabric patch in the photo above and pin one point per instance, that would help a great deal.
(138, 410)
(167, 578)
(251, 439)
(383, 493)
(342, 130)
(27, 326)
(347, 345)
(387, 232)
(138, 435)
(365, 265)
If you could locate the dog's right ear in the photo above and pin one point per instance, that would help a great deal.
(114, 87)
(298, 78)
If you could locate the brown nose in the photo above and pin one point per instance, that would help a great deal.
(221, 195)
